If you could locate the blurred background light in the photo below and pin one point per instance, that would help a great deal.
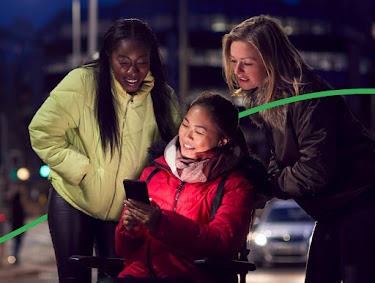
(44, 171)
(23, 174)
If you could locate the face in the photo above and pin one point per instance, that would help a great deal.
(247, 65)
(130, 63)
(197, 133)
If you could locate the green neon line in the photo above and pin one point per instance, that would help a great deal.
(305, 97)
(23, 228)
(240, 115)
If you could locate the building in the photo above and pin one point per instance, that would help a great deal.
(334, 37)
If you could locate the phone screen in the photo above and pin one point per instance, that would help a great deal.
(137, 190)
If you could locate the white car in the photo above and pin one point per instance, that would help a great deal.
(281, 234)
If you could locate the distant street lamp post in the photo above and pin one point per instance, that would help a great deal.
(92, 33)
(3, 178)
(3, 141)
(76, 32)
(183, 55)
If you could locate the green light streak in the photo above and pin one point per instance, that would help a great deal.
(23, 228)
(306, 97)
(241, 115)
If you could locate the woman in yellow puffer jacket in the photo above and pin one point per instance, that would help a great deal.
(93, 131)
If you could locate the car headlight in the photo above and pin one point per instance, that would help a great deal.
(260, 240)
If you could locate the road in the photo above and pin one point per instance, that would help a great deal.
(259, 276)
(37, 263)
(274, 276)
(36, 260)
(277, 275)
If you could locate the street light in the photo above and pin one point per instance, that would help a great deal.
(23, 174)
(76, 32)
(92, 29)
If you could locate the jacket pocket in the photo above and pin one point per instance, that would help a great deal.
(87, 178)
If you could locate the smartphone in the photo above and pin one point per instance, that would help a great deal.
(137, 190)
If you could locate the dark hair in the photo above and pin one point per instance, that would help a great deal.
(124, 29)
(224, 113)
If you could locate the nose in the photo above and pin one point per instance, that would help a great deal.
(237, 68)
(189, 134)
(132, 69)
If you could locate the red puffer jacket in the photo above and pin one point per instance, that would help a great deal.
(185, 232)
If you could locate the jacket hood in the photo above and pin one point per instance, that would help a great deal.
(156, 150)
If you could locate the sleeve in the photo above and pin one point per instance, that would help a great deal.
(61, 111)
(227, 230)
(273, 169)
(126, 243)
(315, 126)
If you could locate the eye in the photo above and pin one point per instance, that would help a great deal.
(142, 63)
(184, 125)
(200, 131)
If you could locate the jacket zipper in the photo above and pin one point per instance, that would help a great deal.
(120, 150)
(177, 195)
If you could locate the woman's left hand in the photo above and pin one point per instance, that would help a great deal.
(146, 214)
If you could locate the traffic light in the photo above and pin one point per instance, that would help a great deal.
(44, 171)
(13, 174)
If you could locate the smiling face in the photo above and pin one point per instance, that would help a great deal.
(130, 63)
(247, 65)
(198, 133)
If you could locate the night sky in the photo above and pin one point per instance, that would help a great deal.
(37, 12)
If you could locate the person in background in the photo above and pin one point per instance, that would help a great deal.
(93, 131)
(17, 220)
(160, 242)
(321, 155)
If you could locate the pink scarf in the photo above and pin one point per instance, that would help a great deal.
(208, 166)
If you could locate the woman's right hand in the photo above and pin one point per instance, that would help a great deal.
(129, 222)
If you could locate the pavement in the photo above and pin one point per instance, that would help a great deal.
(37, 263)
(36, 256)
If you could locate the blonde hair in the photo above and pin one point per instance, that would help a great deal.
(281, 59)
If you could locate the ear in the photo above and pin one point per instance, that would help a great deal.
(223, 142)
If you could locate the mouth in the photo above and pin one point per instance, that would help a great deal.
(188, 147)
(242, 79)
(131, 81)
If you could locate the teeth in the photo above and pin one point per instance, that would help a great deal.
(131, 81)
(188, 146)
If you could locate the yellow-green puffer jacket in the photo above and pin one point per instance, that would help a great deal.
(65, 135)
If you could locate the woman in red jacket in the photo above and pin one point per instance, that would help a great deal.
(163, 239)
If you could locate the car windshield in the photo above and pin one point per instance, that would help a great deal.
(288, 214)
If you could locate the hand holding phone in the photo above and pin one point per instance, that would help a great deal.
(137, 190)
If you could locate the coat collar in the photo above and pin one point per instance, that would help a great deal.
(144, 90)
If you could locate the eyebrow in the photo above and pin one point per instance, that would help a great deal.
(250, 58)
(121, 56)
(197, 126)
